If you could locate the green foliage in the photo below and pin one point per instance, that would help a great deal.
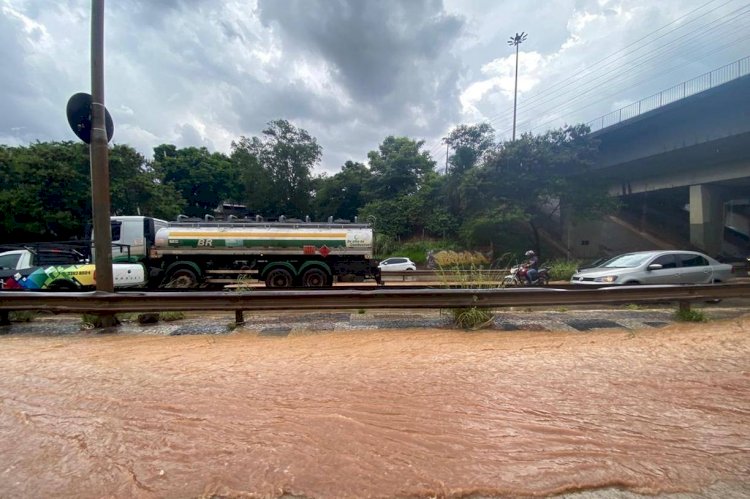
(385, 245)
(340, 196)
(397, 168)
(137, 189)
(94, 321)
(561, 270)
(389, 217)
(472, 318)
(46, 191)
(690, 315)
(277, 169)
(400, 191)
(23, 316)
(171, 316)
(202, 178)
(415, 250)
(469, 144)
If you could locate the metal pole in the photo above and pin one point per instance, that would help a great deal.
(515, 95)
(446, 157)
(100, 197)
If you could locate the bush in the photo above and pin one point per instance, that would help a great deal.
(22, 316)
(464, 259)
(416, 250)
(690, 315)
(384, 245)
(562, 270)
(472, 318)
(171, 316)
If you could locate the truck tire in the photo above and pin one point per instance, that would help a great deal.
(279, 278)
(181, 278)
(314, 278)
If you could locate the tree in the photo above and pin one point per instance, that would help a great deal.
(136, 189)
(286, 155)
(469, 144)
(340, 196)
(525, 180)
(46, 191)
(203, 179)
(397, 168)
(256, 181)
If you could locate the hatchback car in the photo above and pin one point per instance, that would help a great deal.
(397, 264)
(655, 267)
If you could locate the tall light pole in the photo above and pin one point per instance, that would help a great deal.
(516, 40)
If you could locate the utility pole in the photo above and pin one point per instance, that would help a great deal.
(516, 40)
(447, 145)
(100, 197)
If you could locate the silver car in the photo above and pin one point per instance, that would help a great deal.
(655, 267)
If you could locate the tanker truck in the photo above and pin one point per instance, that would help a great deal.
(282, 254)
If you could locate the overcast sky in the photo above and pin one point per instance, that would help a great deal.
(205, 72)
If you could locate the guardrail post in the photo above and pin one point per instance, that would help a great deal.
(4, 318)
(684, 306)
(239, 318)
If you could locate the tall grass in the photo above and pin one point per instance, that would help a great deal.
(471, 318)
(562, 270)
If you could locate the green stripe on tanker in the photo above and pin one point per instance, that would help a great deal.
(255, 243)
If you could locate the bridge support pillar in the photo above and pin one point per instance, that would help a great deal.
(706, 218)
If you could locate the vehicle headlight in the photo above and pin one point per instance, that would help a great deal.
(606, 278)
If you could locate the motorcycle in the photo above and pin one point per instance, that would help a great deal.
(517, 277)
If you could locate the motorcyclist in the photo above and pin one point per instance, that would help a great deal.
(532, 266)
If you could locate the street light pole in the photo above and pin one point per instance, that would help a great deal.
(516, 40)
(100, 197)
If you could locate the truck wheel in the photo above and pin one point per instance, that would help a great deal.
(182, 278)
(279, 278)
(314, 278)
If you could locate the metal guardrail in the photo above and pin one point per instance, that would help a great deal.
(99, 302)
(696, 85)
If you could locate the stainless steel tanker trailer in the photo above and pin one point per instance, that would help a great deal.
(281, 254)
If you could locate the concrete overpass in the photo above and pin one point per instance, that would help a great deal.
(699, 142)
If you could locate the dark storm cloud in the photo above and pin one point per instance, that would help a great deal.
(389, 55)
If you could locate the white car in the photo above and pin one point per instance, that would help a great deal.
(655, 267)
(397, 264)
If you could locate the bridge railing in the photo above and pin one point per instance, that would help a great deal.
(698, 84)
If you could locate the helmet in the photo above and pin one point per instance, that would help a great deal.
(529, 253)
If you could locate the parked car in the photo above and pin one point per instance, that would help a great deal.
(397, 264)
(655, 267)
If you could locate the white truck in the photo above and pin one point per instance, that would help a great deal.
(48, 268)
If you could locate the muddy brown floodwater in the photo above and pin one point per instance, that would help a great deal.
(415, 413)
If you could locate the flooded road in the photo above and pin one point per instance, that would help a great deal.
(410, 413)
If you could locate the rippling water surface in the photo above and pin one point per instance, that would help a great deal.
(375, 413)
